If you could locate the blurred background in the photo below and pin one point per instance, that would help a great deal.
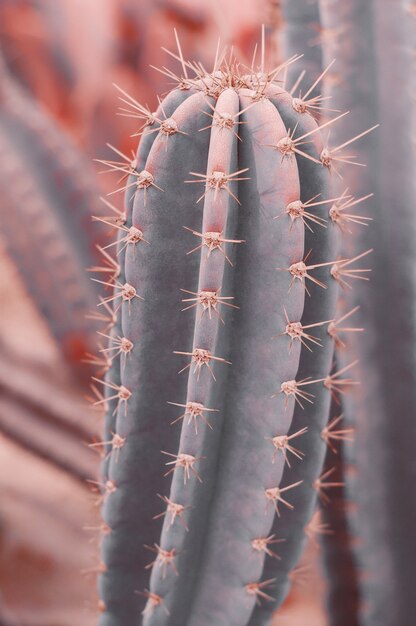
(59, 110)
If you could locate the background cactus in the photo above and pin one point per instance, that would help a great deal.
(229, 203)
(46, 225)
(373, 44)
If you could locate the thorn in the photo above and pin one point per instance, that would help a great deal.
(122, 345)
(289, 146)
(110, 266)
(261, 544)
(184, 461)
(257, 590)
(133, 236)
(127, 165)
(296, 332)
(195, 410)
(330, 435)
(320, 485)
(300, 271)
(330, 155)
(153, 602)
(218, 181)
(200, 357)
(209, 301)
(135, 110)
(122, 394)
(282, 443)
(116, 443)
(213, 241)
(119, 219)
(109, 320)
(317, 527)
(297, 210)
(274, 495)
(108, 487)
(341, 219)
(334, 329)
(144, 180)
(126, 292)
(291, 388)
(164, 558)
(174, 510)
(337, 385)
(340, 270)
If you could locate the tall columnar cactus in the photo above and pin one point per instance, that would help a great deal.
(374, 44)
(225, 320)
(46, 205)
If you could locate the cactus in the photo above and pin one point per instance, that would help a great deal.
(46, 205)
(374, 47)
(230, 229)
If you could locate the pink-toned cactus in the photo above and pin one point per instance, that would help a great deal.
(229, 275)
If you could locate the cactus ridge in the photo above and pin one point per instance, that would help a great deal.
(238, 258)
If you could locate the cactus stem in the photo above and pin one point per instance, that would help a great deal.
(174, 510)
(321, 485)
(195, 410)
(153, 602)
(201, 357)
(261, 544)
(274, 495)
(213, 241)
(184, 461)
(164, 558)
(209, 300)
(257, 590)
(330, 435)
(334, 329)
(123, 394)
(218, 181)
(282, 443)
(127, 293)
(340, 274)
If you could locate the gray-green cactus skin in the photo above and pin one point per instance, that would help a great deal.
(226, 295)
(47, 202)
(373, 43)
(301, 36)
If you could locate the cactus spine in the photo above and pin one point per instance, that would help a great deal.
(229, 274)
